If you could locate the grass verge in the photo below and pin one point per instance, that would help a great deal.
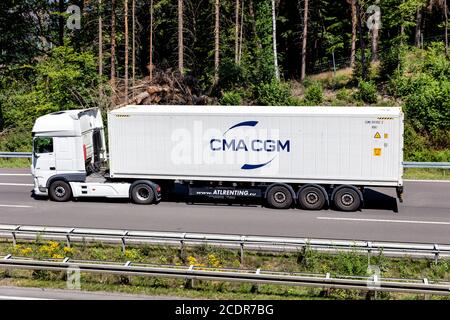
(15, 163)
(426, 174)
(304, 261)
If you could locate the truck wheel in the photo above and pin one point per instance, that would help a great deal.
(60, 191)
(279, 197)
(142, 193)
(311, 198)
(347, 199)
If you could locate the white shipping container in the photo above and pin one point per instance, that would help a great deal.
(324, 145)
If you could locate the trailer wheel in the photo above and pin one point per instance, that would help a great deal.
(60, 191)
(311, 198)
(142, 193)
(279, 197)
(347, 199)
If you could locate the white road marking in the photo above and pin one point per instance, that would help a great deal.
(21, 298)
(15, 174)
(16, 184)
(386, 220)
(14, 206)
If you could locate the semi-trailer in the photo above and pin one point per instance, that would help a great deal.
(308, 157)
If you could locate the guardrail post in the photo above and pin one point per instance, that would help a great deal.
(182, 248)
(242, 249)
(425, 296)
(68, 237)
(123, 241)
(14, 238)
(369, 251)
(255, 287)
(190, 282)
(327, 290)
(436, 253)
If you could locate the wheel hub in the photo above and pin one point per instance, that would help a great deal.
(143, 194)
(279, 197)
(60, 191)
(347, 199)
(312, 198)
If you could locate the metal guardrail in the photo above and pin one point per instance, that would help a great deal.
(423, 286)
(15, 154)
(425, 165)
(240, 242)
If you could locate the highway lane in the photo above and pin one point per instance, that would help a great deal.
(423, 217)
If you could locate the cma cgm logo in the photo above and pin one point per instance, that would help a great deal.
(247, 145)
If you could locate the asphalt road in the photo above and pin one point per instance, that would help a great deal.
(423, 217)
(20, 293)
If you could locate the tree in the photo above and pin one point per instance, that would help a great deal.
(133, 63)
(418, 33)
(100, 39)
(304, 39)
(180, 38)
(274, 39)
(236, 32)
(361, 41)
(354, 26)
(150, 67)
(61, 22)
(446, 28)
(126, 50)
(216, 40)
(241, 35)
(113, 44)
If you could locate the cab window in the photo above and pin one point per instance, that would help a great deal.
(43, 145)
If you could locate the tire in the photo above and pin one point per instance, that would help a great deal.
(347, 199)
(60, 191)
(142, 193)
(279, 197)
(311, 198)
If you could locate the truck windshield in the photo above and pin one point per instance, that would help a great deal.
(43, 145)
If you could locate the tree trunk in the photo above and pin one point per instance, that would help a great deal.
(274, 39)
(446, 28)
(236, 33)
(253, 19)
(113, 43)
(241, 35)
(61, 22)
(354, 26)
(361, 42)
(418, 27)
(375, 36)
(304, 40)
(150, 67)
(100, 39)
(133, 63)
(216, 40)
(126, 50)
(180, 37)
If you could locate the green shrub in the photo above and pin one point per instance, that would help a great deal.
(344, 95)
(314, 94)
(274, 93)
(367, 92)
(231, 98)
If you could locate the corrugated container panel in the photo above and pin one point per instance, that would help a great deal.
(357, 145)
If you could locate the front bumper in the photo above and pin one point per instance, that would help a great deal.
(39, 191)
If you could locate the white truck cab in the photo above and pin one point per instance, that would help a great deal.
(65, 145)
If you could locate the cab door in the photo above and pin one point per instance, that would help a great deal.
(44, 160)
